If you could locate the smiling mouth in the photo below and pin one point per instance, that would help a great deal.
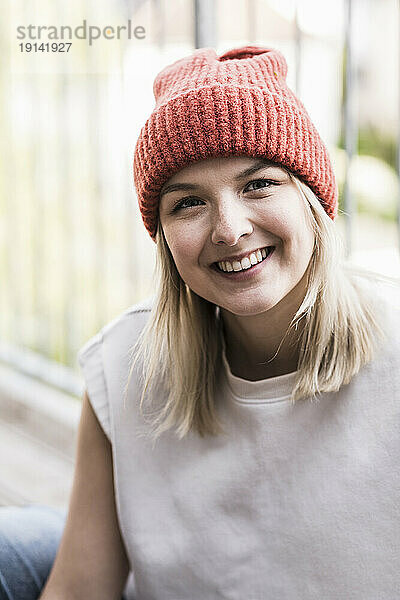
(246, 263)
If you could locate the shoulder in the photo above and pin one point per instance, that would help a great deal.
(129, 324)
(121, 332)
(384, 296)
(106, 357)
(386, 306)
(377, 303)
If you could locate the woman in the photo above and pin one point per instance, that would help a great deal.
(239, 434)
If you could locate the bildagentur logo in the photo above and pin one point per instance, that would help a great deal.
(81, 32)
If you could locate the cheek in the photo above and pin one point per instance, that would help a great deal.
(281, 224)
(302, 245)
(295, 235)
(185, 244)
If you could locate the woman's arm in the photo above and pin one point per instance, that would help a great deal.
(91, 561)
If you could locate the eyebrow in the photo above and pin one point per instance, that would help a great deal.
(260, 164)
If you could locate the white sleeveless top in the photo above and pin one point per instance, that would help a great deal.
(293, 502)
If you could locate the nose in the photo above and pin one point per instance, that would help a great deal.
(229, 224)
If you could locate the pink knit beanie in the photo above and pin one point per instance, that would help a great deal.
(237, 104)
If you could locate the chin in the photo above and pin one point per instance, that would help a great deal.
(250, 309)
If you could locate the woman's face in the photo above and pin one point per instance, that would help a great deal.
(244, 211)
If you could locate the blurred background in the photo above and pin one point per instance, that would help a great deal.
(74, 252)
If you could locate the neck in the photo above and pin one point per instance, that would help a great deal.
(256, 345)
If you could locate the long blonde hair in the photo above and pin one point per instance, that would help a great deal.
(181, 343)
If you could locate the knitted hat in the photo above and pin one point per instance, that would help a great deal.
(237, 104)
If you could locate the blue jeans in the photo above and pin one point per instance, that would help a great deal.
(29, 538)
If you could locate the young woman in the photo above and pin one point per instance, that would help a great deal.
(240, 431)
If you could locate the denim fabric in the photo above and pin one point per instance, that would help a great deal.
(29, 538)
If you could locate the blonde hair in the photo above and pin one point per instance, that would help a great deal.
(181, 343)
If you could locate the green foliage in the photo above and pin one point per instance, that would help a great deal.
(374, 142)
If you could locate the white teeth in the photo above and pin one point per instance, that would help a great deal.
(253, 259)
(245, 263)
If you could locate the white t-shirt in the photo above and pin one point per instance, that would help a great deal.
(294, 502)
